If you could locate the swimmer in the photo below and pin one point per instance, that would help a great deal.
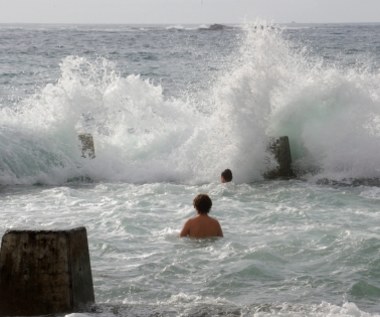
(202, 225)
(226, 176)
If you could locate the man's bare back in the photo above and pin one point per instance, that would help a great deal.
(202, 226)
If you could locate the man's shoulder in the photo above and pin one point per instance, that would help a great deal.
(214, 219)
(190, 220)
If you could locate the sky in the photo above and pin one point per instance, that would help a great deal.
(188, 11)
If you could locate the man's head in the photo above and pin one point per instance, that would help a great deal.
(202, 203)
(226, 176)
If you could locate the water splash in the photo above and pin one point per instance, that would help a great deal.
(331, 115)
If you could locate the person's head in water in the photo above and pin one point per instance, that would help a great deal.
(202, 203)
(226, 176)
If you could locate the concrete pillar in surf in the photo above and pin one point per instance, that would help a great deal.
(45, 272)
(87, 142)
(281, 149)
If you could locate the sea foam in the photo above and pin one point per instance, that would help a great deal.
(271, 88)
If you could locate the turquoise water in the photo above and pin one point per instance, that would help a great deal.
(290, 248)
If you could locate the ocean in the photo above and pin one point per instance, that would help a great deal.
(169, 108)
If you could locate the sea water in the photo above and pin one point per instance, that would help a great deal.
(169, 108)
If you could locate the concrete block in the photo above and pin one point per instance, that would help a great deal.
(45, 272)
(87, 143)
(281, 149)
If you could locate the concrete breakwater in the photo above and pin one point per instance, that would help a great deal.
(279, 147)
(45, 272)
(87, 145)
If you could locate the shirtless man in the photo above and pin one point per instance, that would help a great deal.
(202, 226)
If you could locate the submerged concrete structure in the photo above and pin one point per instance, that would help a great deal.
(45, 272)
(87, 142)
(281, 150)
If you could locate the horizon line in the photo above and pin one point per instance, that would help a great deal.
(179, 23)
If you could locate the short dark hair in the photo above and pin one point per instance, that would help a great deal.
(202, 203)
(227, 175)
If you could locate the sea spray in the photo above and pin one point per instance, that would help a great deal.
(330, 114)
(271, 87)
(135, 129)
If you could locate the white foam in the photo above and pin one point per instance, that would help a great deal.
(331, 115)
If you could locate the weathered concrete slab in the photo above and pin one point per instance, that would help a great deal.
(281, 149)
(87, 143)
(45, 272)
